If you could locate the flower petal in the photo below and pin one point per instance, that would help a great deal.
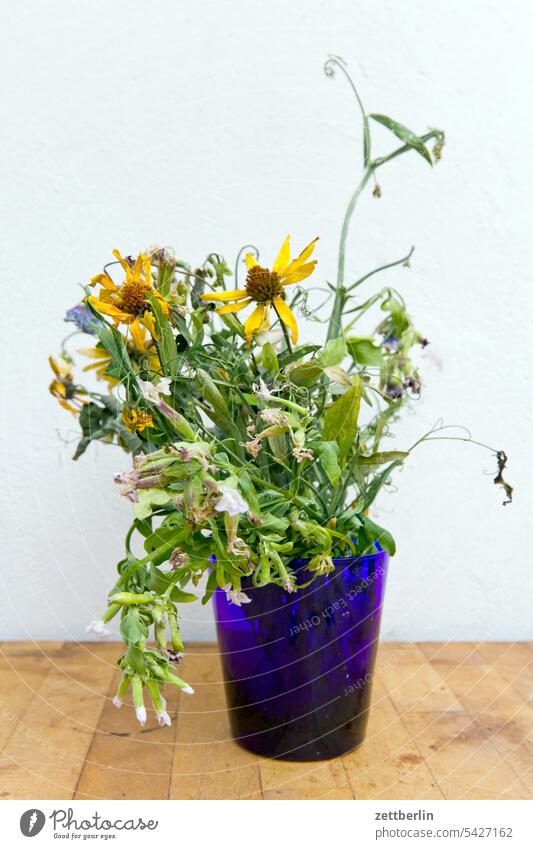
(232, 295)
(250, 261)
(298, 274)
(137, 333)
(109, 309)
(147, 269)
(227, 308)
(149, 322)
(103, 280)
(287, 317)
(301, 258)
(255, 320)
(284, 256)
(121, 259)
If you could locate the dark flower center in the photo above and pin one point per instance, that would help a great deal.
(262, 285)
(133, 297)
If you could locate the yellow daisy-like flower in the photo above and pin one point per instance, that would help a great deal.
(128, 303)
(265, 287)
(137, 420)
(63, 387)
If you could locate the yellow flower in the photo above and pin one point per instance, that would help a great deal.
(128, 303)
(264, 287)
(63, 387)
(137, 420)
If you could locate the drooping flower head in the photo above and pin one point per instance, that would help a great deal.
(137, 420)
(128, 303)
(265, 287)
(62, 387)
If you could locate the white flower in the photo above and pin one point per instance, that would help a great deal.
(231, 501)
(163, 718)
(273, 336)
(261, 390)
(236, 596)
(117, 702)
(152, 392)
(98, 627)
(205, 532)
(187, 689)
(140, 713)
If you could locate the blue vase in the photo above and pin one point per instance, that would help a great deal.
(298, 666)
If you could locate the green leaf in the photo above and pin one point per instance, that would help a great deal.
(120, 366)
(364, 352)
(211, 393)
(181, 597)
(269, 359)
(306, 374)
(165, 539)
(337, 375)
(404, 134)
(210, 587)
(166, 344)
(148, 499)
(333, 353)
(340, 418)
(96, 423)
(381, 457)
(132, 630)
(375, 533)
(328, 453)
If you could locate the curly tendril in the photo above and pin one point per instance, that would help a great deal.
(239, 255)
(334, 63)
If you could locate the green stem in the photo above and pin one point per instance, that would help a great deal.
(335, 324)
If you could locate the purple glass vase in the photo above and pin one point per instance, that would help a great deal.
(298, 666)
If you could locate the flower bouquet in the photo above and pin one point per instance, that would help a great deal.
(256, 460)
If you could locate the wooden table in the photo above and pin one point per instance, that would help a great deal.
(449, 720)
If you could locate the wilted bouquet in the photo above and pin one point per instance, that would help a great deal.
(249, 449)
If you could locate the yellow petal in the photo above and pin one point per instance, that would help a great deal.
(250, 260)
(103, 280)
(227, 308)
(255, 320)
(287, 317)
(109, 309)
(284, 256)
(298, 274)
(121, 259)
(96, 365)
(94, 353)
(54, 366)
(137, 268)
(232, 295)
(301, 258)
(147, 269)
(149, 322)
(137, 333)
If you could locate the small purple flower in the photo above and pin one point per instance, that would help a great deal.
(82, 317)
(391, 343)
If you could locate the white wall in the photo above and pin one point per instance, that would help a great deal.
(209, 124)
